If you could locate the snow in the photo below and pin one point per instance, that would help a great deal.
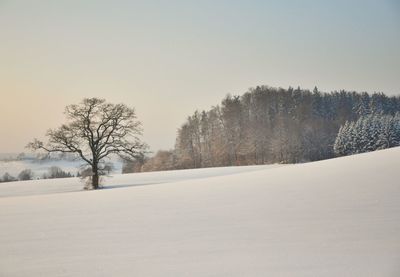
(35, 187)
(339, 217)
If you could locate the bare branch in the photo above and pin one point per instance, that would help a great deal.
(95, 130)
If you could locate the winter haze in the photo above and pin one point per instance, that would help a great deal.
(168, 58)
(200, 138)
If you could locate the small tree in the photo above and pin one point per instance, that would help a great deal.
(25, 175)
(56, 172)
(8, 178)
(95, 130)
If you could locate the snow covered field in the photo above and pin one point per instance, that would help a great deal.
(339, 217)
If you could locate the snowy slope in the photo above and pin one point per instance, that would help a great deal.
(36, 187)
(338, 217)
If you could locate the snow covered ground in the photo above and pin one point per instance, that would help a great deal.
(339, 217)
(48, 186)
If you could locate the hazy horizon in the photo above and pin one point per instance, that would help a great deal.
(169, 58)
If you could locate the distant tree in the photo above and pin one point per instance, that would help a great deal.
(163, 160)
(131, 166)
(107, 168)
(8, 178)
(232, 122)
(390, 132)
(368, 133)
(56, 172)
(25, 175)
(341, 144)
(95, 130)
(21, 156)
(185, 147)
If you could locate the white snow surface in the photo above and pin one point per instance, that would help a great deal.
(338, 217)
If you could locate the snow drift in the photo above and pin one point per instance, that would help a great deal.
(339, 217)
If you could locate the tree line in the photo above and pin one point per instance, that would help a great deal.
(264, 125)
(368, 133)
(267, 125)
(53, 172)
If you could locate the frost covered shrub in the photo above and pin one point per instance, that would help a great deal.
(86, 174)
(8, 178)
(368, 133)
(25, 174)
(56, 172)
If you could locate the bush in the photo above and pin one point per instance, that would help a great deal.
(56, 172)
(8, 178)
(25, 174)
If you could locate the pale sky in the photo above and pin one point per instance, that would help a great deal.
(169, 58)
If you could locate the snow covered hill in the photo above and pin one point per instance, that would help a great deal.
(339, 217)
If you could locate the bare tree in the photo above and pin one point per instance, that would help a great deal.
(25, 175)
(95, 130)
(56, 172)
(8, 178)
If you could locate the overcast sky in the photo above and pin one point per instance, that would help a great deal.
(169, 58)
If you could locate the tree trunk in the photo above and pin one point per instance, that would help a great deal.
(95, 177)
